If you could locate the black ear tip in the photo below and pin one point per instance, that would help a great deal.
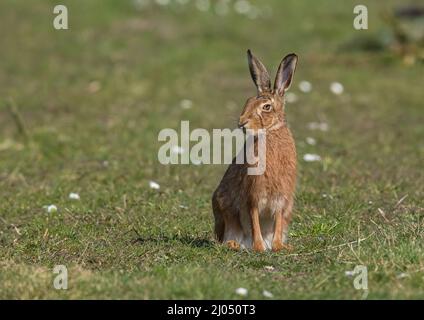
(249, 53)
(292, 56)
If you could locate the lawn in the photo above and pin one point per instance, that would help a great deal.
(80, 112)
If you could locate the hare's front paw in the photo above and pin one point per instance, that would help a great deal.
(259, 246)
(232, 244)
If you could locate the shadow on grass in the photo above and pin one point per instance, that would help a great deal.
(183, 239)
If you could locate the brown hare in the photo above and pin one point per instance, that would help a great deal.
(254, 211)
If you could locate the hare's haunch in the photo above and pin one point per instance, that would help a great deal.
(254, 211)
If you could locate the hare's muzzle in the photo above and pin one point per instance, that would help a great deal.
(242, 125)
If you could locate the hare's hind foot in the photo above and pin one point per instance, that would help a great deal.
(232, 244)
(282, 246)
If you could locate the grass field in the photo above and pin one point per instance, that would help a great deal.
(81, 110)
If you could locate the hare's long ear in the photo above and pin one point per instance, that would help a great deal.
(285, 73)
(259, 74)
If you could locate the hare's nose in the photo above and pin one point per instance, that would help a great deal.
(242, 124)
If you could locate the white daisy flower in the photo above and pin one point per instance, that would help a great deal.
(186, 104)
(311, 141)
(74, 196)
(154, 185)
(51, 208)
(267, 294)
(336, 88)
(305, 86)
(242, 291)
(309, 157)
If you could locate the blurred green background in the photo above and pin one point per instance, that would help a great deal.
(81, 109)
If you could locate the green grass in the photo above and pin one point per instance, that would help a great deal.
(125, 240)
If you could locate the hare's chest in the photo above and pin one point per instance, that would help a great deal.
(269, 205)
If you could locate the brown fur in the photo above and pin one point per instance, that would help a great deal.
(249, 208)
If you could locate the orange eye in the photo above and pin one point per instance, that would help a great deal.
(266, 107)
